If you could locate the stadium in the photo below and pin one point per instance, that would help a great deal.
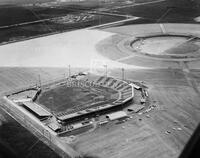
(75, 104)
(145, 104)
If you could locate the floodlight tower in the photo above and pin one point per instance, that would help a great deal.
(123, 74)
(69, 70)
(51, 99)
(39, 79)
(106, 70)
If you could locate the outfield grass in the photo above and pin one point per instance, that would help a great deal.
(62, 98)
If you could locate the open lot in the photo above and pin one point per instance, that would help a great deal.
(135, 139)
(177, 112)
(14, 78)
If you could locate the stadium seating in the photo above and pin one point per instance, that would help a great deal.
(112, 83)
(99, 80)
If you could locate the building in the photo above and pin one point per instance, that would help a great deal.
(116, 115)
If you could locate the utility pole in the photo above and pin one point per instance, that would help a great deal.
(106, 69)
(69, 70)
(52, 104)
(123, 74)
(39, 78)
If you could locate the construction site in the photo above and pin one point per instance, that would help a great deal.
(99, 79)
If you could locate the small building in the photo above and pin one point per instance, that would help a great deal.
(77, 125)
(136, 108)
(54, 127)
(103, 122)
(116, 115)
(142, 100)
(135, 86)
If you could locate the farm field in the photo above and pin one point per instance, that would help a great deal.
(51, 17)
(20, 21)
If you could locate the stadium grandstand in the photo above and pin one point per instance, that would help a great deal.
(124, 89)
(117, 94)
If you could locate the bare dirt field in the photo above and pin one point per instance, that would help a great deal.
(159, 45)
(177, 112)
(12, 78)
(116, 47)
(135, 139)
(162, 132)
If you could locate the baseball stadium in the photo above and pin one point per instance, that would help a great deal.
(99, 78)
(69, 106)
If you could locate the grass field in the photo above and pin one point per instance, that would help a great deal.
(19, 14)
(16, 14)
(63, 98)
(75, 94)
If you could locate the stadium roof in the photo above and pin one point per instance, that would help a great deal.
(37, 109)
(65, 116)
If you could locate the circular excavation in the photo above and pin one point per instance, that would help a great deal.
(153, 45)
(165, 46)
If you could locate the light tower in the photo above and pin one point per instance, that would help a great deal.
(123, 74)
(39, 79)
(106, 70)
(69, 70)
